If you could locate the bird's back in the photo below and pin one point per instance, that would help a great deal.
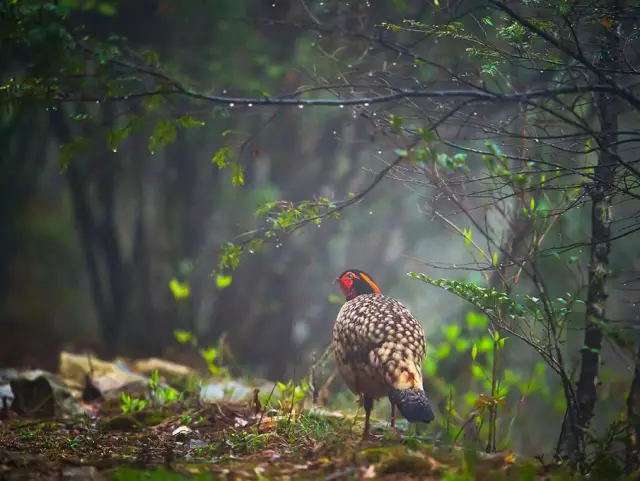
(379, 345)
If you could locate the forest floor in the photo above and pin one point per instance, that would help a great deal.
(237, 441)
(156, 420)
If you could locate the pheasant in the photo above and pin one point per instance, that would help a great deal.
(379, 348)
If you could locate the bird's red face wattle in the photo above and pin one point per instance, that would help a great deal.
(346, 285)
(354, 283)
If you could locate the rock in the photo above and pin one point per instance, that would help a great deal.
(7, 374)
(74, 367)
(109, 378)
(6, 394)
(167, 369)
(6, 397)
(230, 390)
(41, 394)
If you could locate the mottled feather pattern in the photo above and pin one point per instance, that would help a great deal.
(378, 345)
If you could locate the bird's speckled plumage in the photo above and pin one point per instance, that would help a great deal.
(379, 346)
(379, 349)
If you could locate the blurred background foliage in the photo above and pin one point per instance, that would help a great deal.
(114, 213)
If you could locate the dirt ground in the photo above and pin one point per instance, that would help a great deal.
(235, 441)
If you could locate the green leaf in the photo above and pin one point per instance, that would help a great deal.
(467, 233)
(396, 123)
(532, 204)
(107, 9)
(266, 208)
(422, 154)
(189, 122)
(514, 32)
(486, 299)
(237, 174)
(430, 366)
(460, 160)
(476, 320)
(490, 69)
(164, 133)
(401, 152)
(427, 135)
(154, 379)
(70, 150)
(182, 336)
(511, 378)
(223, 281)
(451, 332)
(444, 160)
(180, 290)
(474, 351)
(153, 102)
(443, 350)
(221, 157)
(116, 136)
(543, 206)
(462, 344)
(476, 371)
(209, 354)
(470, 399)
(229, 256)
(485, 344)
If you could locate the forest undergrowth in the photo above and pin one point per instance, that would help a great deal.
(270, 436)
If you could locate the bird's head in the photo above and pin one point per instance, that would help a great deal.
(354, 283)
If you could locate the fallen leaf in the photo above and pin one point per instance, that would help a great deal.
(240, 422)
(510, 458)
(181, 431)
(370, 472)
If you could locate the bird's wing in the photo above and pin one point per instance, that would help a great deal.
(401, 348)
(375, 337)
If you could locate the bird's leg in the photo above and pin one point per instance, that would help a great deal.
(393, 419)
(367, 403)
(393, 415)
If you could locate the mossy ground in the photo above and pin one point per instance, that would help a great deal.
(232, 441)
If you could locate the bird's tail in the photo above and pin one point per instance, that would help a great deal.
(413, 404)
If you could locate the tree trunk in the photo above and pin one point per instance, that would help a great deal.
(115, 266)
(85, 221)
(98, 236)
(633, 418)
(601, 218)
